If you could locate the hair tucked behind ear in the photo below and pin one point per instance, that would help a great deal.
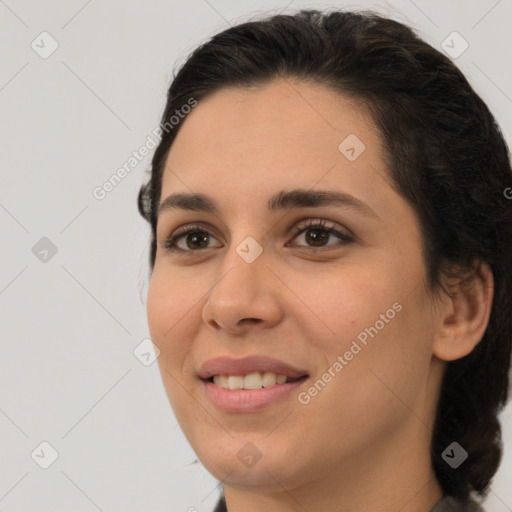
(446, 156)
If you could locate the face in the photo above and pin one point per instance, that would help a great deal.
(346, 307)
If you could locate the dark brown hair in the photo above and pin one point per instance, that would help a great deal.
(446, 156)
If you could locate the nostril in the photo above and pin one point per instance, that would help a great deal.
(250, 320)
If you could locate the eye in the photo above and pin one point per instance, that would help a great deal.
(188, 239)
(192, 238)
(316, 233)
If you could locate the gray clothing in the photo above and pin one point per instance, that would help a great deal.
(450, 504)
(445, 504)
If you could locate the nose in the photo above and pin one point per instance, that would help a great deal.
(245, 296)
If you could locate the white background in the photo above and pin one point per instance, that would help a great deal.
(69, 326)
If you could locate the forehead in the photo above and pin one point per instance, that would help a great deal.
(283, 113)
(285, 133)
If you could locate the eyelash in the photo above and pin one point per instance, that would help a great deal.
(169, 243)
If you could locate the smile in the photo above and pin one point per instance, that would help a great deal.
(240, 399)
(255, 380)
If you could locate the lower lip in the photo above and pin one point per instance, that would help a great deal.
(249, 400)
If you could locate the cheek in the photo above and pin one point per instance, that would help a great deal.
(171, 313)
(159, 309)
(349, 300)
(373, 319)
(172, 321)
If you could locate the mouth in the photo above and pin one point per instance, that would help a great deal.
(253, 380)
(249, 384)
(229, 394)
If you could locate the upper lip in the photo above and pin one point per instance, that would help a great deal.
(242, 366)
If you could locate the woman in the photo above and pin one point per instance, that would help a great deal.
(330, 267)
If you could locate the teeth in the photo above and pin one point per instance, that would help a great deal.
(235, 382)
(281, 379)
(270, 379)
(253, 380)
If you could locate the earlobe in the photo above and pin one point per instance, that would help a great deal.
(464, 316)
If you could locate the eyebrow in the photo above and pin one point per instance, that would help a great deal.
(283, 200)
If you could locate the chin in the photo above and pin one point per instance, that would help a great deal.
(239, 464)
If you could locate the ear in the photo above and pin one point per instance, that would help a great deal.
(464, 315)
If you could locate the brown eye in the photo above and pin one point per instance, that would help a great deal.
(197, 240)
(194, 238)
(316, 235)
(190, 240)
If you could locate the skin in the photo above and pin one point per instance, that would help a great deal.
(370, 427)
